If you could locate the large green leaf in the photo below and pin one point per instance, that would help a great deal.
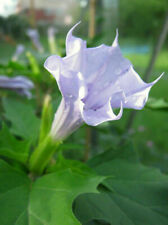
(11, 147)
(133, 195)
(14, 194)
(74, 165)
(22, 116)
(47, 201)
(52, 197)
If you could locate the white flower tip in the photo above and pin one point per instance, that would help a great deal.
(155, 81)
(115, 42)
(73, 44)
(69, 34)
(76, 24)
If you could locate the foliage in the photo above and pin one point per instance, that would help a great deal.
(142, 18)
(12, 148)
(129, 192)
(24, 123)
(14, 26)
(157, 104)
(133, 194)
(119, 184)
(46, 200)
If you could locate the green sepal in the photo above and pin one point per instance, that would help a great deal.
(42, 155)
(33, 64)
(46, 119)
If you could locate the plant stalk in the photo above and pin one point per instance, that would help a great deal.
(42, 155)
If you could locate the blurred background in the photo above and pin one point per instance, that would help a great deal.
(31, 30)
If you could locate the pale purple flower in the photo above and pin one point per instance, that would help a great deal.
(19, 84)
(52, 31)
(34, 36)
(19, 50)
(93, 82)
(51, 39)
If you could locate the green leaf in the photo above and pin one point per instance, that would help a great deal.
(52, 197)
(22, 116)
(11, 147)
(33, 64)
(157, 104)
(16, 66)
(97, 222)
(126, 152)
(74, 165)
(14, 194)
(47, 201)
(132, 195)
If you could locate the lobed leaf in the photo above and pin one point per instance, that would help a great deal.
(48, 201)
(22, 116)
(132, 195)
(12, 148)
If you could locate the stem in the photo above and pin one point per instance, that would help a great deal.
(92, 10)
(42, 155)
(157, 48)
(32, 13)
(91, 35)
(87, 143)
(52, 45)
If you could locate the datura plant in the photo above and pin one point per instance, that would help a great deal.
(92, 81)
(38, 186)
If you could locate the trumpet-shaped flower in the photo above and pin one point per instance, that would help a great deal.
(19, 50)
(93, 82)
(34, 36)
(19, 84)
(51, 32)
(51, 39)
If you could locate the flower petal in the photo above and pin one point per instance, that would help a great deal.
(34, 36)
(75, 51)
(53, 65)
(136, 91)
(105, 65)
(108, 57)
(101, 54)
(19, 84)
(74, 44)
(67, 119)
(103, 114)
(70, 83)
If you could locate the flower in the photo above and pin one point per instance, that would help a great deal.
(19, 50)
(51, 39)
(51, 32)
(34, 36)
(93, 82)
(19, 84)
